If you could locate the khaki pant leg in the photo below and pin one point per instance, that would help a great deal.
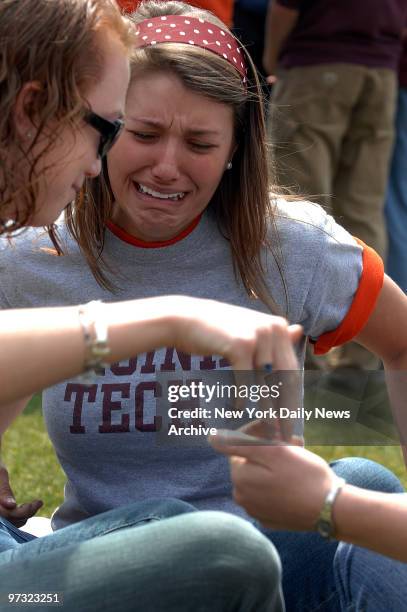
(360, 184)
(308, 118)
(361, 181)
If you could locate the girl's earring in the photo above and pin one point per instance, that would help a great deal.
(229, 166)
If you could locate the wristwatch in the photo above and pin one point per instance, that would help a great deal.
(325, 525)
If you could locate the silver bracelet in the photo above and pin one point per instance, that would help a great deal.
(95, 336)
(325, 525)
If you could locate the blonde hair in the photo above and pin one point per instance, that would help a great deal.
(59, 46)
(241, 203)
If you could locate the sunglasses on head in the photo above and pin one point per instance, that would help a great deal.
(109, 131)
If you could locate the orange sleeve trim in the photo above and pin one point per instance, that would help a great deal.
(362, 306)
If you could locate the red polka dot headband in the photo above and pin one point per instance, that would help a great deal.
(192, 31)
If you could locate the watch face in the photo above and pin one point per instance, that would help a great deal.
(324, 528)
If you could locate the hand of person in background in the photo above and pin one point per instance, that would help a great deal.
(18, 515)
(271, 79)
(280, 22)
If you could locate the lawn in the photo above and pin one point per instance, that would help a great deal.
(35, 473)
(31, 461)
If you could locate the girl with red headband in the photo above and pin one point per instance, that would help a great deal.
(63, 80)
(185, 204)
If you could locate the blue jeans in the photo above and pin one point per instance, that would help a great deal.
(368, 582)
(318, 576)
(134, 515)
(131, 559)
(396, 204)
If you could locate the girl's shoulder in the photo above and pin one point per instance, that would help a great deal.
(31, 255)
(32, 242)
(321, 262)
(294, 217)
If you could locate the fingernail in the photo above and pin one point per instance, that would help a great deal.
(221, 436)
(223, 433)
(10, 500)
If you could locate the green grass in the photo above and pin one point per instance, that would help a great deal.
(30, 459)
(35, 473)
(369, 432)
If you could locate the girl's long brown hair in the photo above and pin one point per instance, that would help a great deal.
(241, 205)
(59, 46)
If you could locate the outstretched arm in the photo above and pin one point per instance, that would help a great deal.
(284, 487)
(385, 334)
(40, 347)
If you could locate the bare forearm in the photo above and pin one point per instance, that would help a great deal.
(40, 347)
(385, 335)
(377, 521)
(279, 24)
(396, 379)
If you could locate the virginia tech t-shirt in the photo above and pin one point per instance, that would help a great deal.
(106, 434)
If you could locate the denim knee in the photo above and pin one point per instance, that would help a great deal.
(161, 508)
(245, 563)
(367, 474)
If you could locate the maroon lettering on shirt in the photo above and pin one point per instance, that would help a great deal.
(207, 363)
(148, 367)
(169, 364)
(109, 405)
(79, 391)
(141, 389)
(120, 369)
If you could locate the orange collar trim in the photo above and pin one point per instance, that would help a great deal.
(123, 235)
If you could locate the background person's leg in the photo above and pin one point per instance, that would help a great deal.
(197, 561)
(396, 204)
(360, 184)
(308, 120)
(310, 109)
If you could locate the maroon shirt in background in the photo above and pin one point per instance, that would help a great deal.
(403, 66)
(366, 32)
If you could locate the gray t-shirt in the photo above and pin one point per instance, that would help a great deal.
(105, 433)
